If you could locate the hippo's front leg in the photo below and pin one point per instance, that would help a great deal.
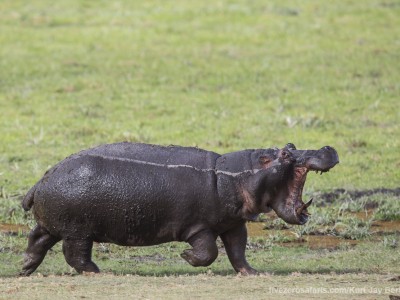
(235, 245)
(204, 250)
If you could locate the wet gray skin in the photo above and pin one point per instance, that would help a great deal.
(139, 194)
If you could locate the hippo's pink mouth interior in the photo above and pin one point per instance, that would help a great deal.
(289, 204)
(295, 203)
(291, 208)
(299, 208)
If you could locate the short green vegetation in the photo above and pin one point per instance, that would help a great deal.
(220, 75)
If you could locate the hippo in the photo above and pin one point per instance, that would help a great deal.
(135, 194)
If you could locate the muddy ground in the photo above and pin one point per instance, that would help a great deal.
(329, 241)
(343, 194)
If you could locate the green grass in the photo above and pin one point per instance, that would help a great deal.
(388, 211)
(340, 218)
(263, 254)
(353, 228)
(332, 286)
(222, 76)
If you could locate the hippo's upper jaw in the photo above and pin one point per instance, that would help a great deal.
(321, 160)
(290, 206)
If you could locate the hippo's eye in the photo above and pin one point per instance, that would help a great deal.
(285, 154)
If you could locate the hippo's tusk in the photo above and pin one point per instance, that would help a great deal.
(304, 207)
(308, 203)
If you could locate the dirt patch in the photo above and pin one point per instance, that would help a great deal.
(13, 229)
(327, 242)
(338, 194)
(382, 227)
(276, 233)
(255, 229)
(289, 238)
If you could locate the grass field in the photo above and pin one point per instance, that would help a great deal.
(221, 75)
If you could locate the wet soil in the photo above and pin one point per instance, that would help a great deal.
(320, 241)
(256, 229)
(382, 227)
(13, 229)
(327, 242)
(338, 194)
(378, 228)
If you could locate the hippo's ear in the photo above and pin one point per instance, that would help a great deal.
(264, 159)
(290, 146)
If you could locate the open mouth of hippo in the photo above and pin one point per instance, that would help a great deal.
(299, 208)
(292, 209)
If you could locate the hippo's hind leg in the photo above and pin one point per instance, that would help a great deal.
(235, 245)
(78, 254)
(204, 250)
(39, 242)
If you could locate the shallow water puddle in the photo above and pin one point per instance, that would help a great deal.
(327, 242)
(256, 229)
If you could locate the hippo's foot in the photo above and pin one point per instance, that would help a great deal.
(199, 259)
(248, 271)
(78, 254)
(204, 250)
(190, 258)
(39, 242)
(235, 246)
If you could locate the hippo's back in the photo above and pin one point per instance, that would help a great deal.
(162, 155)
(129, 193)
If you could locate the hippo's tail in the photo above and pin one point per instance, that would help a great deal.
(27, 202)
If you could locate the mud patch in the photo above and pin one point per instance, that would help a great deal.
(340, 194)
(383, 227)
(274, 233)
(14, 229)
(288, 238)
(255, 229)
(327, 242)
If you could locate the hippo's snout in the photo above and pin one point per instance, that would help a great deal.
(322, 160)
